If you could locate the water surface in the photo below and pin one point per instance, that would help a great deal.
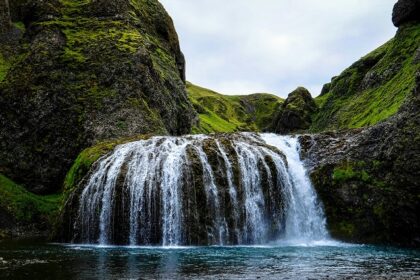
(31, 260)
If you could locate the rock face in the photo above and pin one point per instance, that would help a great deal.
(368, 179)
(295, 113)
(87, 71)
(405, 11)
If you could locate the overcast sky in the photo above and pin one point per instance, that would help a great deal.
(248, 46)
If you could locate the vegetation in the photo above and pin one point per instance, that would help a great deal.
(27, 207)
(230, 113)
(4, 67)
(373, 88)
(88, 157)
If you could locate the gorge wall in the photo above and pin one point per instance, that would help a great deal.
(368, 179)
(78, 72)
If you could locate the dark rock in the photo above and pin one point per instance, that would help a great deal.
(295, 113)
(368, 178)
(85, 73)
(405, 11)
(5, 20)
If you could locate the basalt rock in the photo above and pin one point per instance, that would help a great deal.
(84, 72)
(295, 113)
(405, 11)
(368, 179)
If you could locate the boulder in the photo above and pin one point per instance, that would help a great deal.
(295, 113)
(405, 11)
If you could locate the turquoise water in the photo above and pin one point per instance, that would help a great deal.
(31, 260)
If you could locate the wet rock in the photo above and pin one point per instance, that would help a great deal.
(368, 178)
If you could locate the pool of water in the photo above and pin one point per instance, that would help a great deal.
(33, 260)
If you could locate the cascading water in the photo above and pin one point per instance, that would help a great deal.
(200, 190)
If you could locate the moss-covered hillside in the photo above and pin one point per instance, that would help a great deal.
(373, 88)
(22, 212)
(230, 113)
(77, 72)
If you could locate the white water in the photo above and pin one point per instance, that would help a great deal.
(148, 193)
(305, 220)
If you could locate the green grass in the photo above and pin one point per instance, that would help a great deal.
(348, 105)
(25, 206)
(225, 113)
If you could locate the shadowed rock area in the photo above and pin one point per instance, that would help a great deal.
(405, 11)
(79, 72)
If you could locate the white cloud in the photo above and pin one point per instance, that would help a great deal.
(246, 46)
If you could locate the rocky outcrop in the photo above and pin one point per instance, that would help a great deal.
(368, 178)
(295, 113)
(87, 71)
(406, 11)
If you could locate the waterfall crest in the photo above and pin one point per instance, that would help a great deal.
(200, 190)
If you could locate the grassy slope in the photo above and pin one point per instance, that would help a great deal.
(225, 113)
(350, 105)
(27, 207)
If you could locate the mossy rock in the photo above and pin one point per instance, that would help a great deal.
(295, 113)
(84, 72)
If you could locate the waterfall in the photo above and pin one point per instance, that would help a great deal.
(222, 189)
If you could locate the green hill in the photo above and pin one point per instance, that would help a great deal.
(373, 88)
(229, 113)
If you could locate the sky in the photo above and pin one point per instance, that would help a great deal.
(274, 46)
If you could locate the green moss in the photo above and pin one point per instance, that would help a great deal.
(344, 174)
(27, 207)
(20, 25)
(4, 67)
(392, 71)
(351, 171)
(358, 171)
(88, 157)
(224, 113)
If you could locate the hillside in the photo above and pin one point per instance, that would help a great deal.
(373, 88)
(230, 113)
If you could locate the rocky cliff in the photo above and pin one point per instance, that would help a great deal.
(78, 72)
(368, 179)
